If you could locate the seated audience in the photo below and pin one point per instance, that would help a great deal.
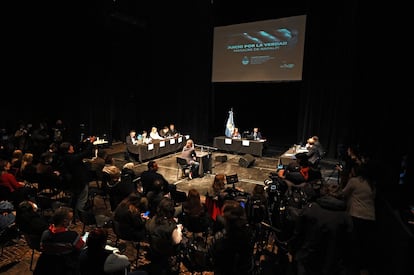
(194, 214)
(215, 195)
(129, 215)
(17, 190)
(149, 176)
(118, 187)
(29, 220)
(7, 215)
(232, 247)
(322, 235)
(60, 246)
(165, 236)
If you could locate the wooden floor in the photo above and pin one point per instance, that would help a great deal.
(16, 255)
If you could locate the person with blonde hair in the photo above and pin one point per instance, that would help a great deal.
(189, 154)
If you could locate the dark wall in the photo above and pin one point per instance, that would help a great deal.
(117, 65)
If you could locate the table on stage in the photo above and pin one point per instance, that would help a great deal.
(245, 146)
(289, 156)
(157, 148)
(205, 160)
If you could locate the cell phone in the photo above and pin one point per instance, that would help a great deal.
(146, 214)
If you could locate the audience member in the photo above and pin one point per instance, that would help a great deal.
(7, 214)
(16, 162)
(129, 215)
(322, 233)
(232, 247)
(351, 161)
(46, 176)
(29, 220)
(189, 154)
(194, 214)
(60, 246)
(360, 195)
(100, 259)
(27, 169)
(118, 187)
(165, 236)
(215, 196)
(149, 176)
(18, 191)
(75, 172)
(128, 174)
(156, 195)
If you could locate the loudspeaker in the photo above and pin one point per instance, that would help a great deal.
(246, 160)
(221, 158)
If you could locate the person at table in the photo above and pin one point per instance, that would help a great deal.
(189, 154)
(154, 135)
(131, 139)
(236, 134)
(172, 131)
(256, 134)
(145, 137)
(164, 132)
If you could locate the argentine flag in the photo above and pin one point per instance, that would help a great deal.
(229, 124)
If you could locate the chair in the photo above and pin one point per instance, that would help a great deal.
(183, 166)
(119, 237)
(34, 244)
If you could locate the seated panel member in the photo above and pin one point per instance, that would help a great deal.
(131, 139)
(256, 135)
(154, 135)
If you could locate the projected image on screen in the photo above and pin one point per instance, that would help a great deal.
(269, 50)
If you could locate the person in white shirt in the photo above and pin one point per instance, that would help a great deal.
(154, 134)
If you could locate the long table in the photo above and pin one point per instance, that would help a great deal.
(157, 148)
(245, 146)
